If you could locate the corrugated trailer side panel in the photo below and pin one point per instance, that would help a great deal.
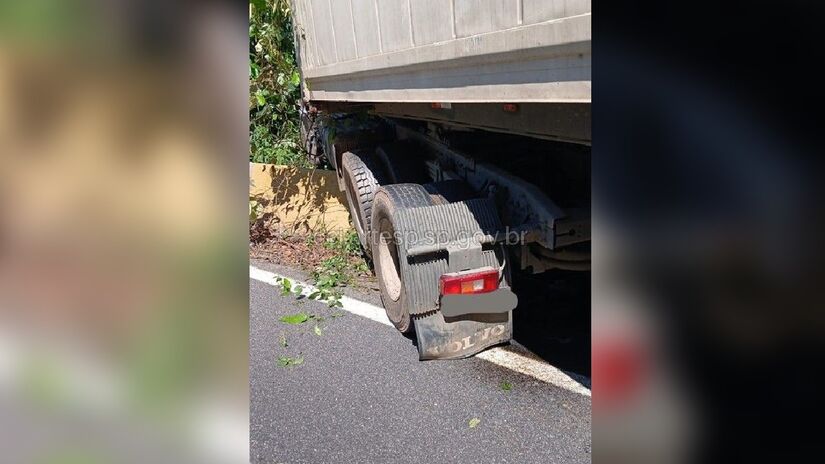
(445, 50)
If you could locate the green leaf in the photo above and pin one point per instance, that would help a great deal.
(286, 361)
(286, 287)
(318, 331)
(299, 318)
(314, 295)
(295, 79)
(298, 289)
(506, 386)
(260, 99)
(474, 422)
(283, 341)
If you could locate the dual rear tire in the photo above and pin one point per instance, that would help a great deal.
(388, 252)
(373, 205)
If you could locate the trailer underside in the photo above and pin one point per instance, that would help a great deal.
(541, 188)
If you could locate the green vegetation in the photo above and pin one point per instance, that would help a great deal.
(339, 270)
(286, 361)
(299, 318)
(334, 272)
(274, 86)
(329, 293)
(346, 244)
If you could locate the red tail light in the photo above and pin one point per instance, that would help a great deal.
(482, 281)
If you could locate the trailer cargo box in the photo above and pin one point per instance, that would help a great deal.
(445, 50)
(460, 132)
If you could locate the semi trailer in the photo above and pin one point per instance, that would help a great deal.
(460, 133)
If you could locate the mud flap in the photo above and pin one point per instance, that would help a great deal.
(445, 238)
(461, 336)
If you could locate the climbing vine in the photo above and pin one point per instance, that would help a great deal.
(274, 89)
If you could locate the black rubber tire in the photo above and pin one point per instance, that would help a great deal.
(391, 281)
(362, 177)
(450, 191)
(334, 149)
(315, 152)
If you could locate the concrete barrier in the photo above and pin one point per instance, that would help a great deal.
(296, 199)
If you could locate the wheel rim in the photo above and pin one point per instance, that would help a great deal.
(388, 257)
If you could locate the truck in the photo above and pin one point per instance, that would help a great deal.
(460, 134)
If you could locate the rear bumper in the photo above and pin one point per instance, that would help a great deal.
(501, 300)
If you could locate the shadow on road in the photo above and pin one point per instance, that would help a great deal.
(553, 318)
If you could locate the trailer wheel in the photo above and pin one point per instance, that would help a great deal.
(388, 252)
(362, 177)
(333, 150)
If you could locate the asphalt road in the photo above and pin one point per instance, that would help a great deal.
(361, 395)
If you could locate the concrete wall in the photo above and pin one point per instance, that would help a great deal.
(298, 200)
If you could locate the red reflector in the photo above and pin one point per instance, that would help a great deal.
(472, 282)
(510, 107)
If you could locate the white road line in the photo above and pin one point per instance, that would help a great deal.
(519, 359)
(351, 305)
(514, 357)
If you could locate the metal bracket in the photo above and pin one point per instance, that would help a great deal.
(461, 257)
